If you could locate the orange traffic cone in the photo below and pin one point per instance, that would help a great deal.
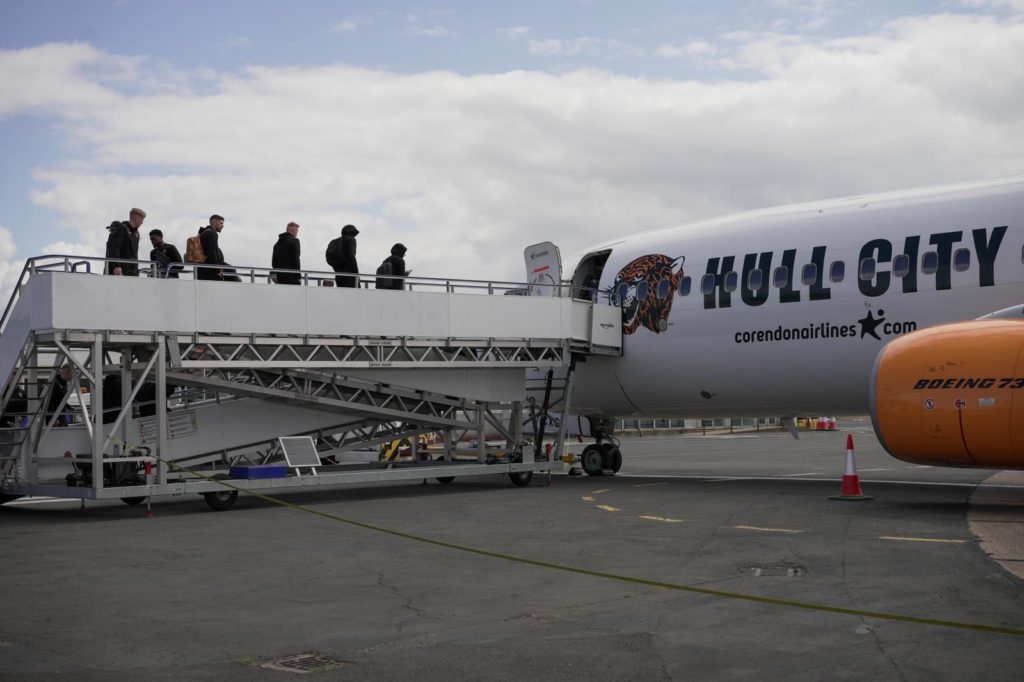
(851, 481)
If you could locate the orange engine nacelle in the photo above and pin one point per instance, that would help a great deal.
(953, 395)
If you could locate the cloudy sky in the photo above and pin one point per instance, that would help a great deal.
(468, 130)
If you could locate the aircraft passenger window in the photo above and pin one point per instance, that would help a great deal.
(755, 280)
(809, 274)
(930, 263)
(684, 286)
(707, 284)
(664, 289)
(732, 280)
(867, 269)
(781, 276)
(837, 271)
(642, 290)
(901, 265)
(961, 259)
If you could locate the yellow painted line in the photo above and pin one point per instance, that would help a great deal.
(628, 579)
(588, 498)
(607, 508)
(769, 530)
(648, 485)
(662, 519)
(602, 490)
(951, 542)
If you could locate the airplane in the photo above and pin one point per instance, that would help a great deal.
(906, 305)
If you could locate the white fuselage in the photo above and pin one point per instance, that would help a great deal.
(805, 347)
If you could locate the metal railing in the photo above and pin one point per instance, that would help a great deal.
(260, 275)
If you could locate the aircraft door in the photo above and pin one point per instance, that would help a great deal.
(543, 269)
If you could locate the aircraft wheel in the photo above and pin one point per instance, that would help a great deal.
(222, 500)
(445, 479)
(521, 479)
(592, 460)
(132, 501)
(612, 459)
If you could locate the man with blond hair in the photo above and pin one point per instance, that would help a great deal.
(287, 256)
(123, 242)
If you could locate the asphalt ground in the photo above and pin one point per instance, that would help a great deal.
(646, 575)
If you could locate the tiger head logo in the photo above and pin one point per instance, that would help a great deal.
(644, 288)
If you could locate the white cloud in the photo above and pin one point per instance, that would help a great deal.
(513, 31)
(1013, 5)
(694, 48)
(346, 26)
(415, 28)
(10, 268)
(467, 170)
(553, 46)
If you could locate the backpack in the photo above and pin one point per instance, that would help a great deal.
(333, 252)
(384, 282)
(194, 250)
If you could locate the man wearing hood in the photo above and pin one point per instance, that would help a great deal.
(397, 261)
(123, 242)
(286, 256)
(341, 256)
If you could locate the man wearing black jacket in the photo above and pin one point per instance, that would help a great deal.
(164, 254)
(287, 256)
(209, 236)
(397, 261)
(341, 256)
(123, 242)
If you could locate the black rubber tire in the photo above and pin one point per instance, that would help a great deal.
(611, 458)
(221, 500)
(445, 479)
(132, 501)
(592, 460)
(7, 498)
(521, 479)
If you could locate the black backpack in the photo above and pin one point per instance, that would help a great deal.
(333, 253)
(385, 282)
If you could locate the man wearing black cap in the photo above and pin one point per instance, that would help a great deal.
(341, 256)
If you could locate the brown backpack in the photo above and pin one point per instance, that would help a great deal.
(194, 250)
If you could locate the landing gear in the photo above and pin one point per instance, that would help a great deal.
(221, 500)
(599, 459)
(592, 460)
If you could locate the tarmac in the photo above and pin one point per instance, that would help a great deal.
(707, 557)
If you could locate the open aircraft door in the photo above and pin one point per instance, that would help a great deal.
(543, 269)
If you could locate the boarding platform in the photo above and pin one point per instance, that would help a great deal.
(181, 385)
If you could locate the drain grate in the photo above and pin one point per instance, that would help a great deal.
(778, 571)
(305, 663)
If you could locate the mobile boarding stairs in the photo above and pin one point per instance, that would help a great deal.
(299, 383)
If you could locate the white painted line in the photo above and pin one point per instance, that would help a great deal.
(951, 542)
(808, 473)
(883, 469)
(662, 519)
(769, 530)
(648, 485)
(933, 484)
(41, 500)
(602, 490)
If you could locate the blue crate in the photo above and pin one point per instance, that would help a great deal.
(259, 471)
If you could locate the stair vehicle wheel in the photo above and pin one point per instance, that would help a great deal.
(521, 479)
(132, 501)
(592, 460)
(445, 479)
(221, 500)
(611, 459)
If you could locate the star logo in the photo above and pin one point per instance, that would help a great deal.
(869, 324)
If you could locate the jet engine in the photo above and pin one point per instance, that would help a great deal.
(953, 395)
